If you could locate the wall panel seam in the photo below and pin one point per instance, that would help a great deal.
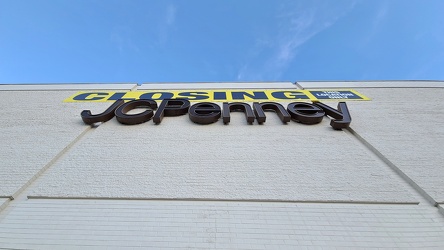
(395, 168)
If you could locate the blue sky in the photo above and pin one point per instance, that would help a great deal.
(49, 41)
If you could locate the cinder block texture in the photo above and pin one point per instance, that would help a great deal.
(407, 127)
(44, 224)
(180, 159)
(35, 127)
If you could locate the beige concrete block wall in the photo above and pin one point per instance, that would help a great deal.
(36, 126)
(3, 203)
(179, 159)
(116, 186)
(106, 224)
(407, 127)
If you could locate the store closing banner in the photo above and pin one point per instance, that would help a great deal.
(221, 95)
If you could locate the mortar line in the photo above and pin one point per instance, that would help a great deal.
(223, 200)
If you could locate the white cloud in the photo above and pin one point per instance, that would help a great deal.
(167, 23)
(380, 16)
(171, 14)
(296, 25)
(121, 37)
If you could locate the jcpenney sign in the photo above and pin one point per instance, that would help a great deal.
(209, 112)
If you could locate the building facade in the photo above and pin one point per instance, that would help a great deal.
(173, 183)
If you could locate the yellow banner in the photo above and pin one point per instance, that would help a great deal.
(221, 95)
